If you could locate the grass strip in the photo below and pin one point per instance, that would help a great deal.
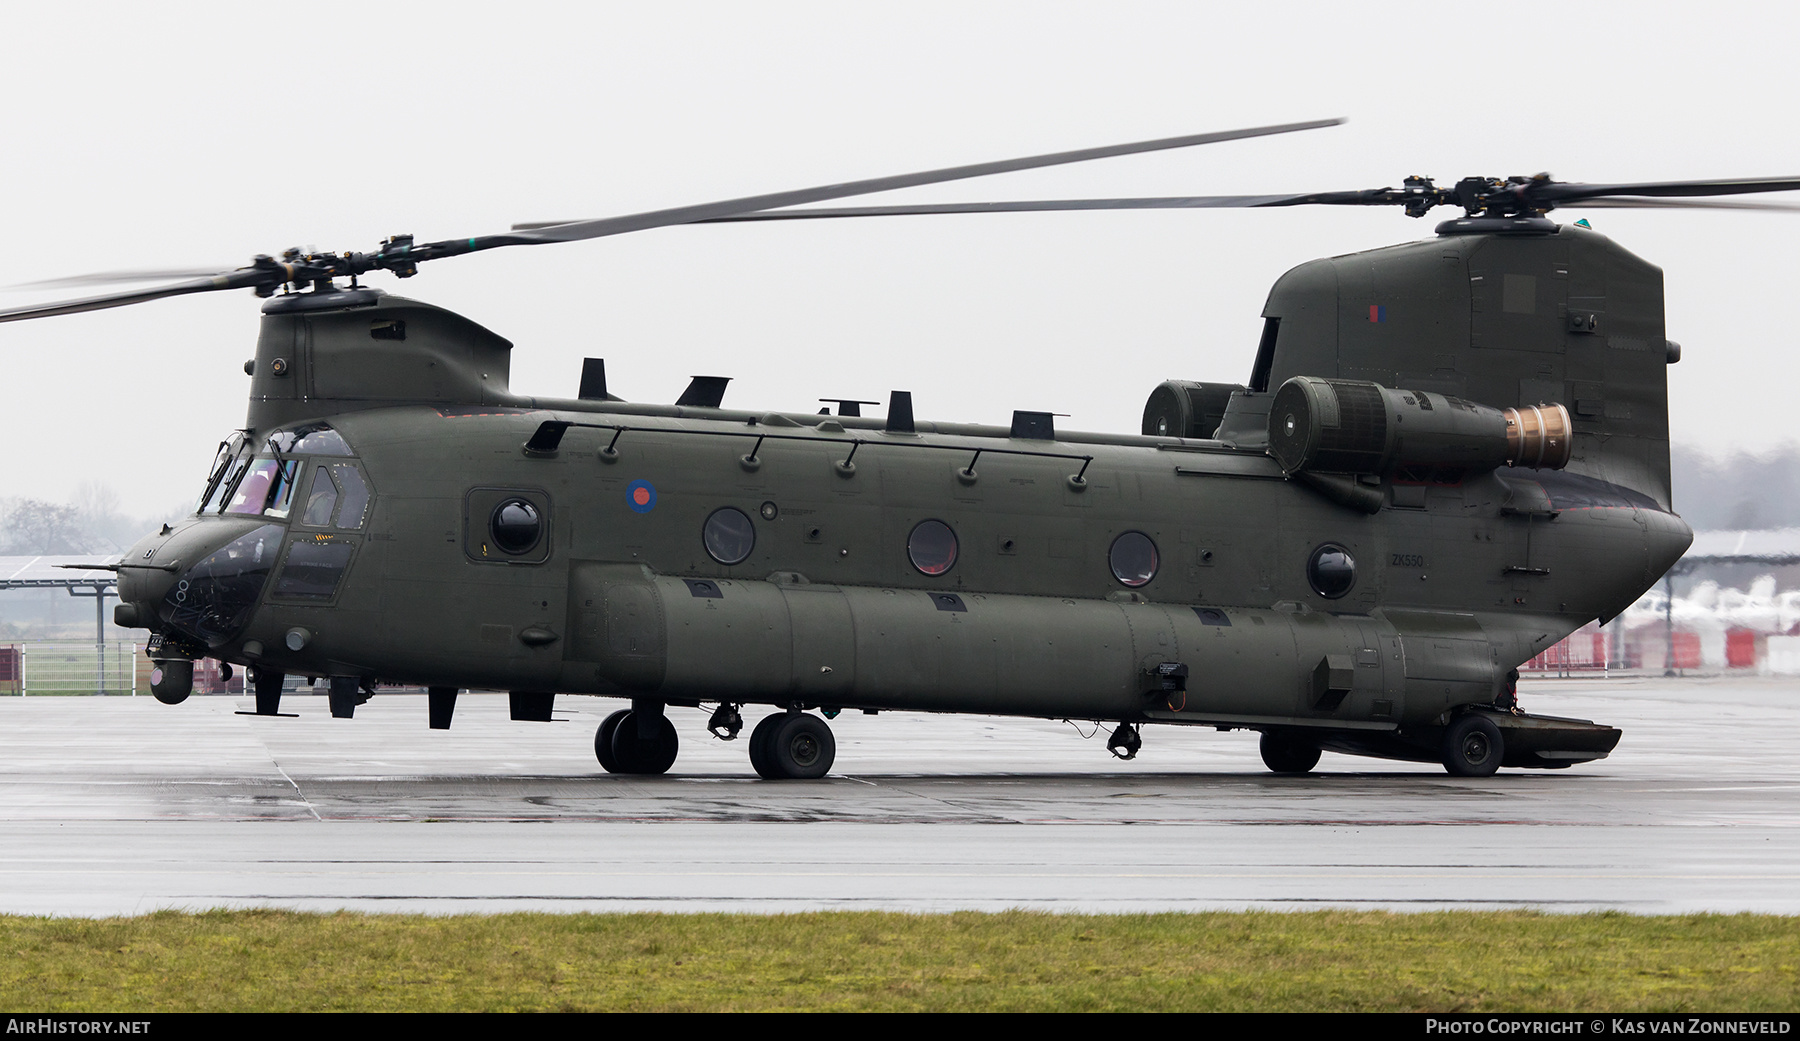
(264, 960)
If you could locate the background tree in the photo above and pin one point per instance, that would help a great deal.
(34, 526)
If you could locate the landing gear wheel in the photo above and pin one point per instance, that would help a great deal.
(801, 747)
(603, 739)
(759, 747)
(636, 755)
(1287, 754)
(1473, 747)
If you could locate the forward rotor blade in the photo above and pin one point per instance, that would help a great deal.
(577, 230)
(232, 280)
(403, 256)
(114, 277)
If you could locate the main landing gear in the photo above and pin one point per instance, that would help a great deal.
(636, 741)
(1473, 746)
(785, 746)
(792, 746)
(1287, 754)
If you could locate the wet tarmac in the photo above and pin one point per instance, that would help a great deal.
(124, 806)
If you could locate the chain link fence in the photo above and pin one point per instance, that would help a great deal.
(64, 667)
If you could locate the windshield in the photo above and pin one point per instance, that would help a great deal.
(245, 483)
(266, 487)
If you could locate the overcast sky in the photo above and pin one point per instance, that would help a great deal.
(191, 134)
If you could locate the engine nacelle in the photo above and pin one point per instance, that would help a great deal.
(1185, 408)
(1356, 427)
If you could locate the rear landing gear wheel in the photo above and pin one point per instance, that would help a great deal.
(1473, 747)
(759, 747)
(636, 755)
(1287, 754)
(603, 739)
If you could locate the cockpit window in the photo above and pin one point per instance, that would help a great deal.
(321, 498)
(312, 439)
(266, 487)
(356, 497)
(282, 495)
(313, 569)
(323, 442)
(340, 489)
(253, 490)
(241, 482)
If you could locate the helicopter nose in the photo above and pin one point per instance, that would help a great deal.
(146, 572)
(200, 582)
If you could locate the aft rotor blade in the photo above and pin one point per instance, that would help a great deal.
(1200, 202)
(1030, 206)
(403, 256)
(1628, 203)
(232, 280)
(577, 230)
(1565, 192)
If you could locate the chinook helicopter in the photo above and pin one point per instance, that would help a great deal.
(1449, 455)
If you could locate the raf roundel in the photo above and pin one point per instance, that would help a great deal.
(640, 496)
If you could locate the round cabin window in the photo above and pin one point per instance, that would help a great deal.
(516, 526)
(729, 536)
(1332, 571)
(1133, 559)
(932, 547)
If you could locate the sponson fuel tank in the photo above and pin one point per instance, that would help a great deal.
(632, 631)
